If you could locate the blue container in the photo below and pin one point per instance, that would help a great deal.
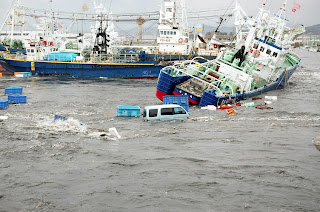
(181, 100)
(61, 56)
(13, 90)
(17, 99)
(4, 104)
(128, 111)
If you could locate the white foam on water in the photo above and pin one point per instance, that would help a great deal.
(103, 135)
(70, 125)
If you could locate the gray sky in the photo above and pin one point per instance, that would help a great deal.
(308, 14)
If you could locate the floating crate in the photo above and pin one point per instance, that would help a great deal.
(4, 104)
(17, 99)
(178, 100)
(22, 74)
(57, 117)
(128, 111)
(13, 90)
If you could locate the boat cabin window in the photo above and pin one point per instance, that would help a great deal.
(174, 33)
(261, 49)
(165, 32)
(153, 112)
(275, 54)
(161, 32)
(32, 50)
(167, 111)
(255, 45)
(268, 52)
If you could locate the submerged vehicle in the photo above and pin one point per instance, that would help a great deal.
(164, 112)
(263, 62)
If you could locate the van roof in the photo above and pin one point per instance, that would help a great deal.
(162, 106)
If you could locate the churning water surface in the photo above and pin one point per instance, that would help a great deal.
(258, 160)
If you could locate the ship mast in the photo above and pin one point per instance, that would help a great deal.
(16, 14)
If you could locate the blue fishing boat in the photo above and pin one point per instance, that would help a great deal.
(82, 69)
(44, 59)
(260, 63)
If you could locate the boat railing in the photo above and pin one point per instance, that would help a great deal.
(180, 71)
(221, 74)
(101, 58)
(184, 68)
(14, 56)
(216, 63)
(115, 58)
(207, 65)
(206, 75)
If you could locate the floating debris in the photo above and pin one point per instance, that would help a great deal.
(57, 117)
(316, 143)
(113, 131)
(231, 112)
(248, 104)
(256, 98)
(261, 107)
(209, 107)
(271, 98)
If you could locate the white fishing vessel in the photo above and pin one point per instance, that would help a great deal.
(173, 37)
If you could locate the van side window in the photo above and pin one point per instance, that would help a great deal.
(167, 111)
(153, 112)
(178, 110)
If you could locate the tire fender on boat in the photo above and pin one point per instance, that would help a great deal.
(256, 53)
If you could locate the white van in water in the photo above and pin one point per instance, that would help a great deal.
(164, 112)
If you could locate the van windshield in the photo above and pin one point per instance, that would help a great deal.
(178, 110)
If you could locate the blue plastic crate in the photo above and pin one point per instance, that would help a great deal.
(58, 117)
(128, 111)
(181, 100)
(17, 99)
(13, 90)
(4, 104)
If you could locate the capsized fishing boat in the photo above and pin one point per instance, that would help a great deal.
(263, 62)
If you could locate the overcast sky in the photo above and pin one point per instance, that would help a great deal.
(308, 14)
